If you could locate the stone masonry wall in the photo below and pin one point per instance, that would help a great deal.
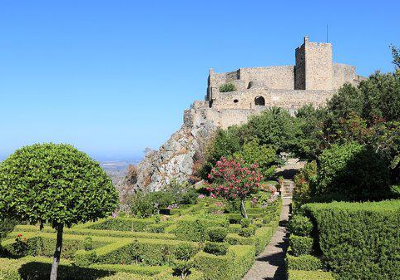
(318, 66)
(343, 73)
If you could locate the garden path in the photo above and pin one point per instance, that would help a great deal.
(270, 264)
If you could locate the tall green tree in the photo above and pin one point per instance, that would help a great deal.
(396, 55)
(273, 127)
(310, 140)
(56, 184)
(265, 156)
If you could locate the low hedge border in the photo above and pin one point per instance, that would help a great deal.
(146, 251)
(303, 262)
(121, 224)
(39, 268)
(96, 232)
(194, 228)
(309, 275)
(300, 245)
(232, 266)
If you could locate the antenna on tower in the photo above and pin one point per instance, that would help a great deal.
(327, 33)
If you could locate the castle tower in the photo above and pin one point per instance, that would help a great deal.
(314, 67)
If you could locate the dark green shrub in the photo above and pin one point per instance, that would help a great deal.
(303, 262)
(148, 204)
(300, 225)
(182, 264)
(188, 197)
(301, 245)
(88, 244)
(245, 223)
(247, 232)
(184, 251)
(194, 228)
(216, 248)
(6, 226)
(304, 182)
(354, 171)
(182, 268)
(359, 240)
(217, 234)
(227, 87)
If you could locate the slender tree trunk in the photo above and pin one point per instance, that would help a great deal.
(57, 253)
(243, 209)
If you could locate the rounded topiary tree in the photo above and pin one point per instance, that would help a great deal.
(56, 184)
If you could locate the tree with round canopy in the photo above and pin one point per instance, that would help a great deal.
(55, 184)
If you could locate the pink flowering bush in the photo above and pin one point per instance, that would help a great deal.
(234, 179)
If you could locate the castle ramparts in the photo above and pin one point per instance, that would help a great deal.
(312, 80)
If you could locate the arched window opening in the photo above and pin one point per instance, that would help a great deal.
(259, 101)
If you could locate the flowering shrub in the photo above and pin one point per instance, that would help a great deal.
(233, 179)
(20, 245)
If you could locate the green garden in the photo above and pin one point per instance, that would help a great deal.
(61, 219)
(192, 241)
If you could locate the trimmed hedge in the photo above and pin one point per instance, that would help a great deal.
(194, 228)
(122, 224)
(216, 248)
(300, 225)
(43, 244)
(309, 275)
(39, 268)
(78, 230)
(120, 253)
(232, 266)
(303, 262)
(359, 240)
(147, 251)
(300, 245)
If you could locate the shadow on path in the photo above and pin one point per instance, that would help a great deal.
(270, 264)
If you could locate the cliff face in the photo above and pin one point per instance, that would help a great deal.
(176, 158)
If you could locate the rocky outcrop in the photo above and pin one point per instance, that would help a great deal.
(176, 158)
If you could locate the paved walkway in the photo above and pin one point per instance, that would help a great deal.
(270, 264)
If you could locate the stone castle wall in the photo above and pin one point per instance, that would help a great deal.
(318, 66)
(313, 80)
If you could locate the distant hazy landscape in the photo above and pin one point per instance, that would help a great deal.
(117, 169)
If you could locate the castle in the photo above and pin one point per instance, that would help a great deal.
(312, 80)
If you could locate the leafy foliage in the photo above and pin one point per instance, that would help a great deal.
(305, 182)
(359, 240)
(265, 156)
(56, 184)
(396, 55)
(300, 225)
(216, 248)
(303, 262)
(273, 127)
(227, 87)
(217, 234)
(234, 180)
(354, 171)
(300, 245)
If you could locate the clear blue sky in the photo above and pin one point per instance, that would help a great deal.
(113, 77)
